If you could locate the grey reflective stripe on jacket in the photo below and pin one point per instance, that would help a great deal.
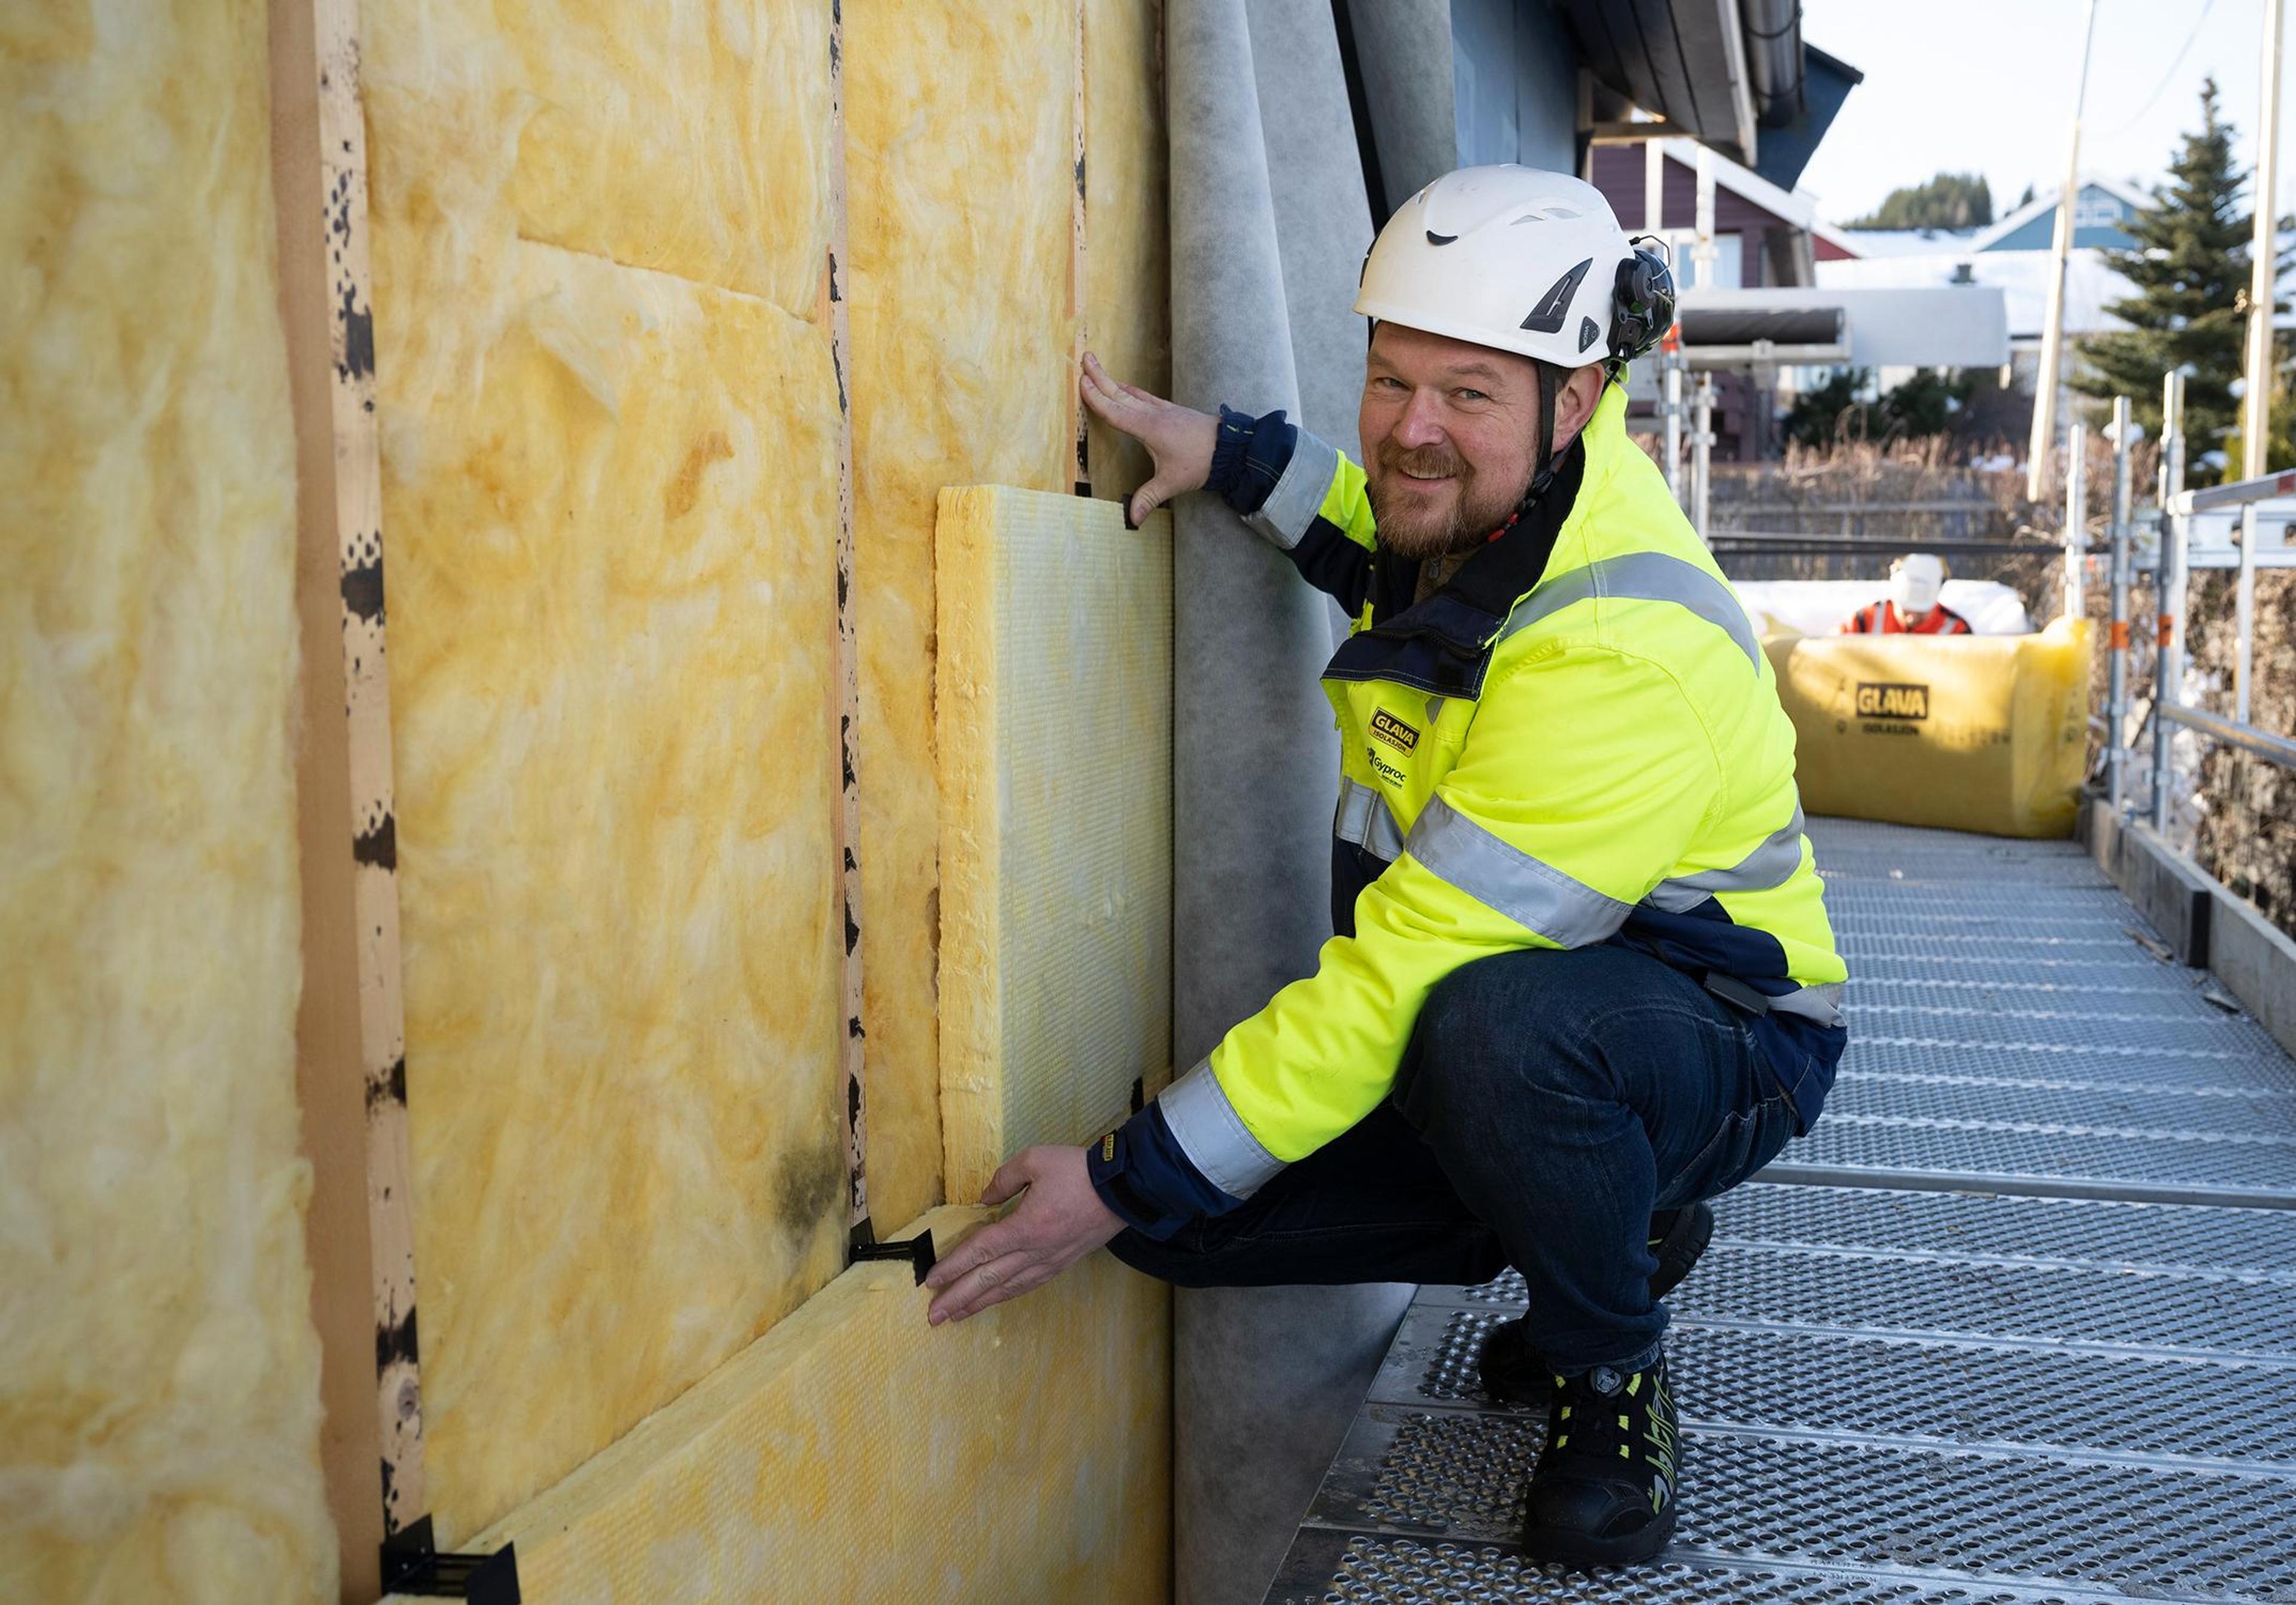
(1643, 577)
(1502, 877)
(1214, 1136)
(1822, 1003)
(1362, 819)
(1299, 494)
(1764, 869)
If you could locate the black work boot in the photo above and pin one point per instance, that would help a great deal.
(1603, 1493)
(1511, 1369)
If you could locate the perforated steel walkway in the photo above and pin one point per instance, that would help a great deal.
(2016, 1323)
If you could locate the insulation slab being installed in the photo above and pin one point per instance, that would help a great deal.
(959, 144)
(610, 504)
(853, 1453)
(158, 1373)
(1056, 749)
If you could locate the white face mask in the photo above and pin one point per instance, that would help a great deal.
(1915, 582)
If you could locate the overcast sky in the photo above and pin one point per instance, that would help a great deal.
(1986, 87)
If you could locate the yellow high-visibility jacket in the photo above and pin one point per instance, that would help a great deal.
(1577, 739)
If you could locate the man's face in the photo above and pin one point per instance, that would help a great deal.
(1449, 434)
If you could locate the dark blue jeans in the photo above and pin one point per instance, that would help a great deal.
(1548, 1104)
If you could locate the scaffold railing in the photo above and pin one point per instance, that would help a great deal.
(2171, 569)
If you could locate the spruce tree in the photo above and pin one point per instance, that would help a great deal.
(2189, 271)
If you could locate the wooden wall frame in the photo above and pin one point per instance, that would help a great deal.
(846, 680)
(349, 1049)
(1079, 291)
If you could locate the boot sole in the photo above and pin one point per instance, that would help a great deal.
(1579, 1551)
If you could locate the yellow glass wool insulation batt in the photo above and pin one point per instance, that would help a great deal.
(692, 139)
(960, 146)
(853, 1453)
(1056, 720)
(1964, 732)
(611, 506)
(958, 125)
(158, 1374)
(1127, 301)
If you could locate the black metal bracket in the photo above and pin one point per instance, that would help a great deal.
(412, 1564)
(917, 1250)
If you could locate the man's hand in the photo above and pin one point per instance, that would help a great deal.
(1179, 438)
(1059, 1221)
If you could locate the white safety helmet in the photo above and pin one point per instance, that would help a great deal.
(1523, 260)
(1916, 581)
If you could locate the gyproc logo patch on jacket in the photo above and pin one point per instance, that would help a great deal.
(1888, 700)
(1386, 727)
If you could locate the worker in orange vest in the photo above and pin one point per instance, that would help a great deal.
(1912, 608)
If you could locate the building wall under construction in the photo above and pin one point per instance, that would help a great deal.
(609, 498)
(610, 414)
(609, 417)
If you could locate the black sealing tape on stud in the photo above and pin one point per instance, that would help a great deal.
(917, 1250)
(412, 1564)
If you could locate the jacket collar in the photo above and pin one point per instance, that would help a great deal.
(1441, 646)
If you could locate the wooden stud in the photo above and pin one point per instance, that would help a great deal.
(351, 1066)
(846, 681)
(1080, 420)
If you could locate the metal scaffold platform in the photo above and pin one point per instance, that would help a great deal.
(2016, 1322)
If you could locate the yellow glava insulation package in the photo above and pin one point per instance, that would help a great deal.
(158, 1373)
(1964, 732)
(610, 498)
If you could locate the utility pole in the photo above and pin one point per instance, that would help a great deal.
(2053, 328)
(2263, 271)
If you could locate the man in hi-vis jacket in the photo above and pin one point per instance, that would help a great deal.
(1582, 979)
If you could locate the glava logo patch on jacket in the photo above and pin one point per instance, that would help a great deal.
(1386, 727)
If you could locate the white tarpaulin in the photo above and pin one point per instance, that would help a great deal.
(1818, 606)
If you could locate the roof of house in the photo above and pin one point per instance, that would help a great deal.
(2041, 205)
(1797, 207)
(1895, 241)
(2021, 276)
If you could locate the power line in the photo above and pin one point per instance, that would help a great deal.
(2168, 77)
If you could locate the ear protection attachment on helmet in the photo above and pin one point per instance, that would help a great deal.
(1641, 302)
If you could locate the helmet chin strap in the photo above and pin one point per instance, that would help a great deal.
(1548, 386)
(1543, 474)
